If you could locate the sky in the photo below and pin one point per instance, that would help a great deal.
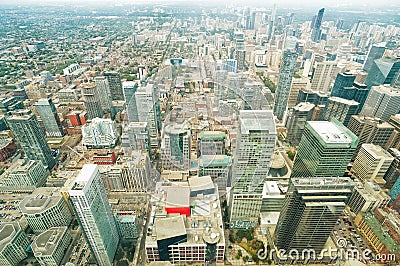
(265, 3)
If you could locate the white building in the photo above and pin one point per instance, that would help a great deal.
(93, 211)
(382, 102)
(323, 76)
(13, 244)
(99, 133)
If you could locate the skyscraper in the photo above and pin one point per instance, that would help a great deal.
(341, 109)
(92, 102)
(175, 146)
(30, 137)
(310, 211)
(384, 71)
(375, 52)
(114, 82)
(284, 83)
(220, 87)
(342, 80)
(103, 93)
(254, 147)
(325, 149)
(48, 113)
(89, 199)
(323, 75)
(382, 102)
(297, 118)
(130, 88)
(316, 31)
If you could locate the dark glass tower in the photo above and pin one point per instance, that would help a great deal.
(316, 30)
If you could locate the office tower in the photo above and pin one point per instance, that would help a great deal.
(384, 71)
(103, 93)
(13, 245)
(284, 82)
(382, 102)
(251, 95)
(240, 57)
(229, 65)
(371, 163)
(297, 118)
(297, 85)
(235, 82)
(342, 81)
(175, 146)
(24, 176)
(115, 85)
(218, 167)
(310, 211)
(325, 149)
(316, 30)
(148, 111)
(92, 102)
(314, 97)
(48, 113)
(45, 208)
(357, 92)
(361, 200)
(254, 148)
(393, 173)
(90, 203)
(273, 198)
(138, 136)
(341, 109)
(130, 88)
(394, 141)
(99, 133)
(220, 86)
(10, 104)
(50, 246)
(211, 143)
(323, 75)
(395, 192)
(370, 130)
(375, 52)
(30, 137)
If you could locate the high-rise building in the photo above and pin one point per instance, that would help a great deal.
(254, 148)
(10, 104)
(13, 244)
(341, 109)
(375, 52)
(310, 211)
(115, 85)
(285, 80)
(394, 141)
(297, 85)
(50, 246)
(219, 167)
(138, 136)
(48, 113)
(316, 30)
(211, 143)
(325, 149)
(323, 75)
(130, 88)
(103, 93)
(126, 224)
(314, 97)
(370, 130)
(382, 102)
(220, 86)
(175, 146)
(342, 81)
(371, 163)
(297, 118)
(92, 102)
(384, 71)
(90, 203)
(30, 137)
(393, 173)
(148, 111)
(23, 176)
(251, 95)
(357, 92)
(44, 209)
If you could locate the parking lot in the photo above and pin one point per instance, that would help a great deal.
(10, 211)
(349, 236)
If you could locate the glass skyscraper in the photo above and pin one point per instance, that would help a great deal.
(48, 113)
(325, 149)
(91, 207)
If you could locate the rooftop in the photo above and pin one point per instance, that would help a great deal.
(178, 197)
(7, 233)
(331, 132)
(376, 151)
(257, 120)
(201, 183)
(212, 135)
(170, 227)
(46, 243)
(215, 160)
(304, 107)
(41, 199)
(381, 233)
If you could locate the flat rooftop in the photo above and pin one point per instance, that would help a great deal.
(212, 135)
(215, 160)
(177, 197)
(170, 227)
(41, 199)
(376, 150)
(46, 243)
(7, 233)
(330, 132)
(257, 120)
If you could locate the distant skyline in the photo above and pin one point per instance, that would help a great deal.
(259, 3)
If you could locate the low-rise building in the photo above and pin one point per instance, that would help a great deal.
(99, 133)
